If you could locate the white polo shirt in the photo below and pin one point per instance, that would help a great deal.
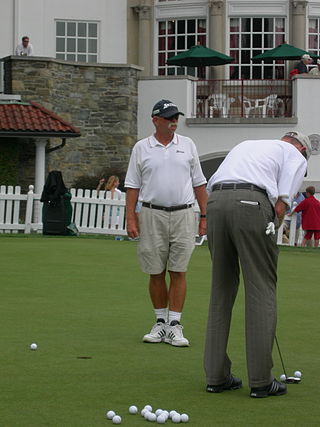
(274, 165)
(165, 174)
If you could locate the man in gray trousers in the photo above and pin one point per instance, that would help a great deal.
(248, 198)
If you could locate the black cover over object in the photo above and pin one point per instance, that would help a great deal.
(57, 209)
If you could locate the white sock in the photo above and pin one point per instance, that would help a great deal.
(161, 313)
(174, 315)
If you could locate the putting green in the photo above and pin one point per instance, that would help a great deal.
(85, 303)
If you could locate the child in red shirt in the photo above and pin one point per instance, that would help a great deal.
(310, 208)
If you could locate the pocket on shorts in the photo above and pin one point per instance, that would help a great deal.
(145, 221)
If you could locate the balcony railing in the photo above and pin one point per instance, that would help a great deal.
(244, 98)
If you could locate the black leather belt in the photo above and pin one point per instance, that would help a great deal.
(166, 208)
(239, 186)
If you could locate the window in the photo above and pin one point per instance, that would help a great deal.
(176, 36)
(249, 37)
(314, 36)
(77, 41)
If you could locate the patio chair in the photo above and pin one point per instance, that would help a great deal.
(267, 104)
(219, 102)
(248, 105)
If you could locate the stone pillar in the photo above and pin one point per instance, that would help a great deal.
(145, 37)
(217, 34)
(299, 23)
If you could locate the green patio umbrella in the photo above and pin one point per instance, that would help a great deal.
(199, 56)
(284, 51)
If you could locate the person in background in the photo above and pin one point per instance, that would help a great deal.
(316, 70)
(25, 48)
(111, 185)
(302, 65)
(299, 197)
(310, 208)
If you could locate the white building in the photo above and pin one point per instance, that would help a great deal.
(148, 32)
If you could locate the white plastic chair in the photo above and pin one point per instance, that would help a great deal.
(248, 105)
(220, 102)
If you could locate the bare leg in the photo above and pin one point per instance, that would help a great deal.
(158, 290)
(303, 243)
(316, 243)
(177, 290)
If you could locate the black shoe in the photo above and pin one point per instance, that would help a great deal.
(232, 383)
(274, 389)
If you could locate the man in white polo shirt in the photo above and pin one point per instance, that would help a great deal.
(165, 175)
(248, 198)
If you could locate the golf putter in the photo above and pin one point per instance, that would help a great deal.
(288, 380)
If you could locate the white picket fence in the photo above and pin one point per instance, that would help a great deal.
(93, 213)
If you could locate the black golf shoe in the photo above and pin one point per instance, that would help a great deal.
(274, 389)
(232, 383)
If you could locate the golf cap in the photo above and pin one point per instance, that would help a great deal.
(303, 139)
(165, 108)
(306, 56)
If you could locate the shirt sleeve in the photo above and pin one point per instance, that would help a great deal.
(300, 206)
(133, 176)
(291, 176)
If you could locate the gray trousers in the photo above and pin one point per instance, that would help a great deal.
(236, 234)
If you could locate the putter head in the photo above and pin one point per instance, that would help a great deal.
(292, 380)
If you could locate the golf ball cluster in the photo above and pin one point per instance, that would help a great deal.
(159, 415)
(297, 374)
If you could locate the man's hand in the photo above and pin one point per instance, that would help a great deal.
(202, 227)
(133, 227)
(280, 209)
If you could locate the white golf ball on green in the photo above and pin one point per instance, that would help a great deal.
(151, 417)
(176, 418)
(116, 419)
(33, 346)
(298, 374)
(110, 415)
(133, 410)
(283, 377)
(184, 418)
(161, 419)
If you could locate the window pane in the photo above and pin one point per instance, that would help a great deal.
(82, 45)
(92, 59)
(181, 43)
(313, 25)
(162, 27)
(60, 55)
(61, 28)
(162, 59)
(245, 72)
(82, 58)
(170, 71)
(161, 71)
(191, 41)
(201, 26)
(171, 27)
(257, 40)
(268, 25)
(71, 45)
(234, 25)
(279, 39)
(82, 29)
(93, 30)
(162, 43)
(191, 26)
(268, 72)
(60, 45)
(234, 40)
(279, 24)
(257, 72)
(171, 43)
(181, 27)
(92, 46)
(268, 40)
(313, 42)
(234, 72)
(71, 28)
(202, 40)
(245, 40)
(191, 71)
(246, 25)
(71, 57)
(181, 71)
(235, 55)
(257, 25)
(245, 57)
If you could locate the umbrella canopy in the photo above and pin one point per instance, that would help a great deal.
(283, 51)
(199, 56)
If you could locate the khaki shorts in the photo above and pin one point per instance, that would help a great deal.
(167, 240)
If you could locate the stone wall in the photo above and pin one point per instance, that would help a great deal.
(99, 99)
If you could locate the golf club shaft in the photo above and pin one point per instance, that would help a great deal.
(284, 370)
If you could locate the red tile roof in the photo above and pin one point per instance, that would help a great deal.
(31, 119)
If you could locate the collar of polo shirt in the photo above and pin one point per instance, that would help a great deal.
(153, 140)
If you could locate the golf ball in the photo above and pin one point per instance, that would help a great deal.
(110, 415)
(33, 346)
(116, 419)
(283, 377)
(171, 413)
(298, 374)
(151, 416)
(161, 419)
(133, 410)
(184, 418)
(176, 418)
(158, 412)
(144, 410)
(148, 408)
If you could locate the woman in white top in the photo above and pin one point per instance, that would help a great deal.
(111, 185)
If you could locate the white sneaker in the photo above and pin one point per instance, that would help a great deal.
(156, 334)
(174, 336)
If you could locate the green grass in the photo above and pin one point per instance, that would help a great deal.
(86, 297)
